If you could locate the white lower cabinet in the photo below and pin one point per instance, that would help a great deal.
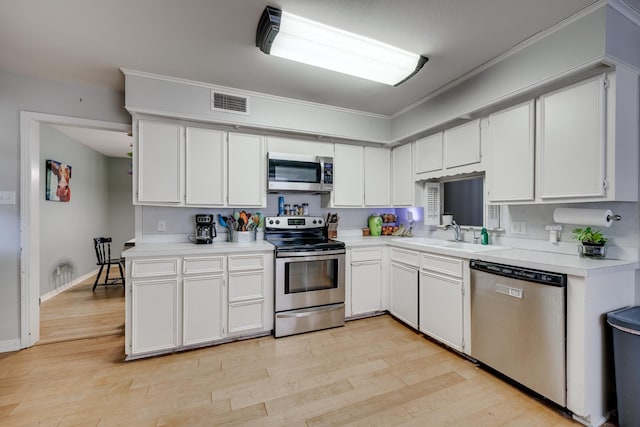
(366, 286)
(202, 309)
(174, 303)
(441, 308)
(365, 277)
(404, 291)
(154, 320)
(442, 299)
(246, 301)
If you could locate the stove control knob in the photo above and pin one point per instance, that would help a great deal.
(277, 221)
(314, 221)
(319, 221)
(270, 222)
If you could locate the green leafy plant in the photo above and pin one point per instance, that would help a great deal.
(587, 235)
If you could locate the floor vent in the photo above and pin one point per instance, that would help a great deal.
(229, 103)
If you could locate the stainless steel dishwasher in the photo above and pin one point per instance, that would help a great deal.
(518, 325)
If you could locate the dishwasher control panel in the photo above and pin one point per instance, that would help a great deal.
(538, 276)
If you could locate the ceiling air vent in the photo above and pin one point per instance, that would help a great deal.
(229, 103)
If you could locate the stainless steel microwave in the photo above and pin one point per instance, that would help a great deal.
(295, 172)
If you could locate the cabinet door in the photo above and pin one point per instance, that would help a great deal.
(202, 311)
(512, 154)
(403, 190)
(377, 176)
(404, 294)
(572, 141)
(429, 153)
(462, 144)
(366, 287)
(246, 300)
(246, 175)
(205, 167)
(154, 310)
(348, 183)
(159, 162)
(441, 302)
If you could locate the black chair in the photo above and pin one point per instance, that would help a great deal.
(103, 253)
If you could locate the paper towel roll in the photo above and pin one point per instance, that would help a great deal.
(596, 217)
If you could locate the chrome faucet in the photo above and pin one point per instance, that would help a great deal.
(457, 235)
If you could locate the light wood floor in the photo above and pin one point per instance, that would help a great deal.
(79, 313)
(370, 372)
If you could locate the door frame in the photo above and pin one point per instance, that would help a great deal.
(30, 184)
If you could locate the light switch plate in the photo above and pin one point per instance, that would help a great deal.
(518, 227)
(7, 197)
(162, 225)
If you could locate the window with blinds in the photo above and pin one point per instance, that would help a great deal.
(432, 203)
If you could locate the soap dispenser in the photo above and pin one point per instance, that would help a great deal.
(484, 237)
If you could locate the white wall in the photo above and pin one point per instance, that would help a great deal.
(18, 92)
(67, 229)
(121, 223)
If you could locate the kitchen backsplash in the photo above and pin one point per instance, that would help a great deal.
(623, 235)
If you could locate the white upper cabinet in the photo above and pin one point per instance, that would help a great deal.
(429, 153)
(377, 174)
(572, 141)
(403, 190)
(247, 175)
(159, 161)
(462, 145)
(511, 155)
(206, 167)
(277, 144)
(348, 181)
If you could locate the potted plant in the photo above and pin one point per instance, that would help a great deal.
(592, 242)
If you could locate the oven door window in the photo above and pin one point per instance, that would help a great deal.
(294, 171)
(310, 276)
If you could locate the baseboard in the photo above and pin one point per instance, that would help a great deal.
(9, 345)
(66, 286)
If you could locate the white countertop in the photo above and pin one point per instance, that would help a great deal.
(550, 261)
(180, 249)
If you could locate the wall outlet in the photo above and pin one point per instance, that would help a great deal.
(7, 197)
(162, 225)
(518, 227)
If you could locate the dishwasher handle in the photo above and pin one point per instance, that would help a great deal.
(520, 273)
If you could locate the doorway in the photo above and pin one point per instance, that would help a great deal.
(31, 181)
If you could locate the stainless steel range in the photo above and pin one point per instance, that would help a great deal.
(309, 275)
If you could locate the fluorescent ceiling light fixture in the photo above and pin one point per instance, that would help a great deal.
(292, 37)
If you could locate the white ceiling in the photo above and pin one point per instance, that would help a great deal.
(109, 143)
(214, 41)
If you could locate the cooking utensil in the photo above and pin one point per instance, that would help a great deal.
(221, 220)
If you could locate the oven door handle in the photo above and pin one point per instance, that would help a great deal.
(309, 311)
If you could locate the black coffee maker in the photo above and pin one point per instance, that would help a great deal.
(205, 228)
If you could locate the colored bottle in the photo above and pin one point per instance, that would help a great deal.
(281, 206)
(484, 237)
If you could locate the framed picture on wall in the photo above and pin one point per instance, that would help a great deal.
(58, 181)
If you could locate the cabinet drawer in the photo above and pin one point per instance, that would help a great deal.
(154, 267)
(405, 256)
(246, 316)
(193, 265)
(246, 262)
(441, 264)
(243, 286)
(363, 254)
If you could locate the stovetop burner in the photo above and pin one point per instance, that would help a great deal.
(299, 233)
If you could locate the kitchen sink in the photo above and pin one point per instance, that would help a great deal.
(452, 244)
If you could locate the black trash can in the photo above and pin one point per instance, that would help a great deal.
(626, 355)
